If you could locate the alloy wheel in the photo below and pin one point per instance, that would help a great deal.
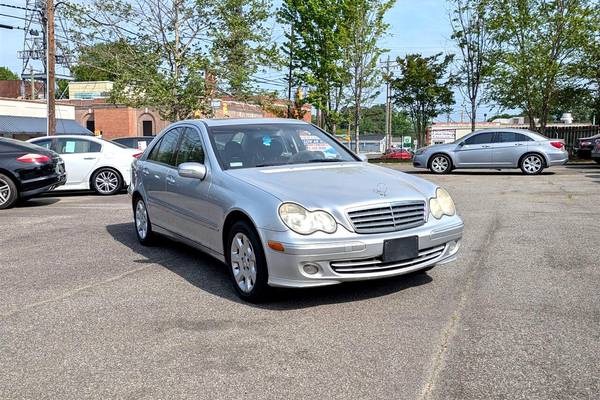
(532, 164)
(243, 262)
(107, 182)
(141, 219)
(4, 192)
(440, 164)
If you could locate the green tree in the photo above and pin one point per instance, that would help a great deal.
(373, 121)
(155, 54)
(470, 31)
(7, 75)
(539, 42)
(240, 44)
(102, 61)
(423, 89)
(366, 26)
(319, 36)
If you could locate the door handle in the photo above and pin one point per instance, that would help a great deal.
(170, 179)
(518, 144)
(485, 146)
(89, 158)
(145, 171)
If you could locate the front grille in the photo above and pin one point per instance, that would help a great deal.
(377, 265)
(388, 217)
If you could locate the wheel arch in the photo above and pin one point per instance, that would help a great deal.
(105, 167)
(440, 153)
(12, 177)
(532, 152)
(233, 217)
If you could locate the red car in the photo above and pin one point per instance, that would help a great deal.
(396, 154)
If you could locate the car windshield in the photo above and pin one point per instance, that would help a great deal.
(262, 145)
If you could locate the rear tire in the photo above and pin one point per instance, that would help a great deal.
(8, 192)
(106, 182)
(440, 164)
(532, 164)
(247, 263)
(142, 224)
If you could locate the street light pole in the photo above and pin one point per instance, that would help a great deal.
(50, 69)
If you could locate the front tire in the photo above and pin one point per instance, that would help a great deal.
(247, 263)
(8, 192)
(143, 226)
(440, 164)
(106, 182)
(532, 164)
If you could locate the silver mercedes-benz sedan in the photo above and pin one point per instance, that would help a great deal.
(494, 148)
(284, 204)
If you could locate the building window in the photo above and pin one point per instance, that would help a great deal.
(90, 124)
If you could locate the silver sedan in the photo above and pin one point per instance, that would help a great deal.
(495, 148)
(284, 204)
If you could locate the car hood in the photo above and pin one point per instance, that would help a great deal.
(439, 147)
(336, 186)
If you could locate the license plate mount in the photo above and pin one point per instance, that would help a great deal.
(400, 249)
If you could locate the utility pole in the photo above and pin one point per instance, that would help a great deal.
(388, 105)
(32, 83)
(291, 66)
(50, 68)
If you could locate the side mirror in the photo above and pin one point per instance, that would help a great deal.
(363, 157)
(192, 170)
(461, 144)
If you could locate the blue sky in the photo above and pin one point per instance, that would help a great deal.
(416, 26)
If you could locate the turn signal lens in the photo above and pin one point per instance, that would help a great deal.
(33, 159)
(276, 246)
(138, 155)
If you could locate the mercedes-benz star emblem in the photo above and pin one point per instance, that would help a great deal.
(381, 189)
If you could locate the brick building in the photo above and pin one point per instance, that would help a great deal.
(12, 89)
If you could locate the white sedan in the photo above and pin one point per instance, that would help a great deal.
(92, 163)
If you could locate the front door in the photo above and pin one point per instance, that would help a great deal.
(190, 205)
(475, 151)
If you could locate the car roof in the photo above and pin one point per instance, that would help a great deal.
(243, 121)
(69, 137)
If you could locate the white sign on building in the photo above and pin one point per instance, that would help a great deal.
(443, 136)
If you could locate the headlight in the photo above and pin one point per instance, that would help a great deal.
(441, 204)
(305, 222)
(420, 151)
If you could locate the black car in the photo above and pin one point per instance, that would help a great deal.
(583, 146)
(27, 170)
(134, 142)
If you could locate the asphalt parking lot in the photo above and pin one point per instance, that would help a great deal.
(86, 312)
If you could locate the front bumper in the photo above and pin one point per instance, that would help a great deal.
(420, 161)
(439, 242)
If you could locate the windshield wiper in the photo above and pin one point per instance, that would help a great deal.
(325, 160)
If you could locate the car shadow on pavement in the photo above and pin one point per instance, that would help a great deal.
(36, 202)
(473, 172)
(210, 275)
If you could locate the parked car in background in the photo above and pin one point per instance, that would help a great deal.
(285, 204)
(27, 170)
(135, 142)
(494, 148)
(396, 153)
(92, 163)
(583, 146)
(596, 151)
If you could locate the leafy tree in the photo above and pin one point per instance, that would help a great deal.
(373, 121)
(240, 46)
(7, 75)
(539, 42)
(319, 37)
(365, 26)
(423, 89)
(101, 61)
(469, 21)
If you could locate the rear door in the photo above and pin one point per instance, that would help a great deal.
(80, 157)
(475, 151)
(508, 147)
(189, 201)
(154, 170)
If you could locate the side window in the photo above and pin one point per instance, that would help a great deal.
(46, 143)
(77, 146)
(190, 147)
(481, 138)
(519, 137)
(164, 151)
(505, 137)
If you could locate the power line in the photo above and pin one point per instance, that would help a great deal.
(16, 7)
(13, 16)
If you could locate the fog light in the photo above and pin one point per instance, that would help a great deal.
(310, 269)
(453, 247)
